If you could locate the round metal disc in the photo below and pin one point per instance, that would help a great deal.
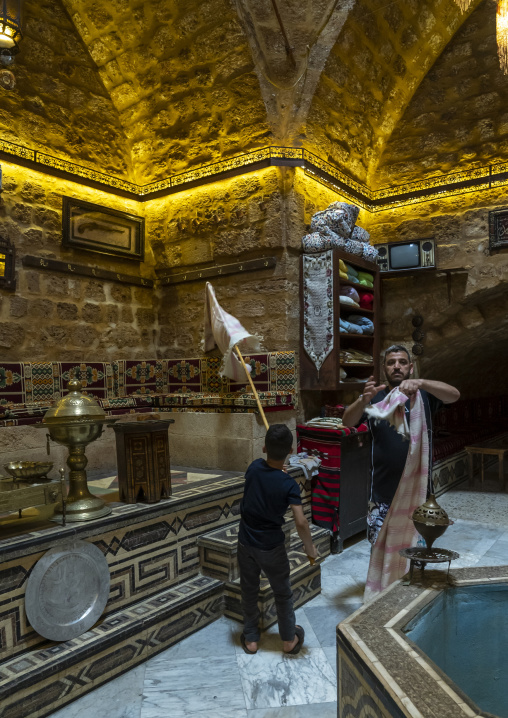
(67, 590)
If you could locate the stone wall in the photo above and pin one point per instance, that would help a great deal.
(457, 119)
(229, 221)
(54, 316)
(180, 75)
(465, 310)
(380, 57)
(59, 104)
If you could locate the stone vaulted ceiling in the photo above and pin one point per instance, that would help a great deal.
(149, 88)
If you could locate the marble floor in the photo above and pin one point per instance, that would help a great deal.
(209, 676)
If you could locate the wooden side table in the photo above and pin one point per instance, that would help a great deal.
(487, 449)
(142, 452)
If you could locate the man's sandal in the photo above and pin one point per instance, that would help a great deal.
(244, 646)
(300, 634)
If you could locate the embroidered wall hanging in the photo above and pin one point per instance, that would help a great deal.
(318, 306)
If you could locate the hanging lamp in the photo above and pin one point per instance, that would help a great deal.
(502, 34)
(10, 26)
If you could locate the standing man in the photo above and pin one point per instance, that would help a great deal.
(390, 449)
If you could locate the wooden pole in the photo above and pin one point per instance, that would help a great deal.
(252, 387)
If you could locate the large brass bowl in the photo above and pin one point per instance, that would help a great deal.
(28, 470)
(77, 433)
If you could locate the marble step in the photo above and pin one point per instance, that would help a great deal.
(38, 682)
(217, 549)
(305, 582)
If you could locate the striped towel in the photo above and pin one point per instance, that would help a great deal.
(398, 531)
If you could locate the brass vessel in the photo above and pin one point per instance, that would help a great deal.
(75, 421)
(29, 471)
(430, 520)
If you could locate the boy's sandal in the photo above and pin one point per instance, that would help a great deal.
(300, 634)
(244, 646)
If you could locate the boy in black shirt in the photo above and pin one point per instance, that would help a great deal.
(268, 493)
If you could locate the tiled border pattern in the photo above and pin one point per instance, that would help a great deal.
(372, 639)
(155, 548)
(305, 582)
(449, 472)
(218, 549)
(40, 682)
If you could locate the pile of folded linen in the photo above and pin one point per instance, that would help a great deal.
(349, 295)
(366, 279)
(354, 356)
(356, 324)
(335, 228)
(326, 422)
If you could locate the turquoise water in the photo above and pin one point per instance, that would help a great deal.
(465, 632)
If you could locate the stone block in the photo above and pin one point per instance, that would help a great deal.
(19, 307)
(66, 311)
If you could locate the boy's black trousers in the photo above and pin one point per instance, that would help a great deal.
(275, 565)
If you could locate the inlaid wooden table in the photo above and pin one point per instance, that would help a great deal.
(488, 448)
(142, 452)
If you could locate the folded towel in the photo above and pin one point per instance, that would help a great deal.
(353, 247)
(363, 323)
(365, 283)
(370, 253)
(360, 235)
(342, 267)
(351, 270)
(350, 328)
(349, 301)
(366, 275)
(350, 292)
(314, 243)
(366, 300)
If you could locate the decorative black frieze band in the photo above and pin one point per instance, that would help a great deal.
(477, 179)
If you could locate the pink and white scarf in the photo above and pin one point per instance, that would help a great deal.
(398, 532)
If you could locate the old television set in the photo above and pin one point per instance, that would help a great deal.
(406, 256)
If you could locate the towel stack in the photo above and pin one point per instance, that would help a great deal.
(335, 227)
(354, 356)
(356, 324)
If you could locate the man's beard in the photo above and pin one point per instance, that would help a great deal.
(397, 380)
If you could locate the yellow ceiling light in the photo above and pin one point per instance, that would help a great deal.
(502, 34)
(10, 26)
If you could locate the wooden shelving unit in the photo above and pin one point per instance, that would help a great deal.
(328, 378)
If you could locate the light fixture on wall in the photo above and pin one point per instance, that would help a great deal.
(10, 26)
(502, 34)
(10, 36)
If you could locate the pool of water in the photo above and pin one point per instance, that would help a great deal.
(465, 632)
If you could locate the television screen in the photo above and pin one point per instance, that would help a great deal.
(405, 256)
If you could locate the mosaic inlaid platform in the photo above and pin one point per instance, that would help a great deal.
(157, 594)
(382, 673)
(42, 680)
(305, 581)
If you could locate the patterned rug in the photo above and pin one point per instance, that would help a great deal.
(318, 306)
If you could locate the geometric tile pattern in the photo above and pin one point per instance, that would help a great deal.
(357, 694)
(148, 548)
(305, 583)
(40, 681)
(157, 596)
(449, 472)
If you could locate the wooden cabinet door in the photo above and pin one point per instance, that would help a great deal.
(355, 478)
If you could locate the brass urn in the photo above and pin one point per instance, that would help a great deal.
(430, 520)
(75, 421)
